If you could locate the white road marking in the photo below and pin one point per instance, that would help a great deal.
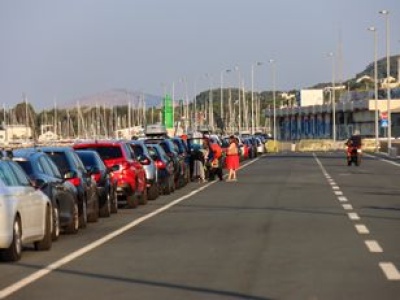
(338, 193)
(353, 216)
(390, 270)
(335, 187)
(361, 229)
(342, 199)
(384, 160)
(7, 291)
(347, 206)
(373, 246)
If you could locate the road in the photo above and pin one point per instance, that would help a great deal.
(295, 226)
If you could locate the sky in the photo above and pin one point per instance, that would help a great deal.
(60, 51)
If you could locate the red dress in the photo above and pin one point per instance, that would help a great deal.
(232, 157)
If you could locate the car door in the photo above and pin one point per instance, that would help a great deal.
(34, 197)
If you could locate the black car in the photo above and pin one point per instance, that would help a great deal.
(184, 156)
(106, 187)
(64, 197)
(165, 168)
(172, 151)
(72, 169)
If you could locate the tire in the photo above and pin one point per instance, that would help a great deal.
(152, 192)
(73, 226)
(55, 234)
(132, 201)
(114, 206)
(143, 198)
(105, 210)
(14, 252)
(94, 215)
(83, 216)
(45, 243)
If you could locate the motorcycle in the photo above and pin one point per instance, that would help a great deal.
(353, 155)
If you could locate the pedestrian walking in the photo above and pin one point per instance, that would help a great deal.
(197, 157)
(232, 158)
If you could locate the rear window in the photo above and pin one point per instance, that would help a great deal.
(87, 159)
(109, 152)
(60, 160)
(26, 165)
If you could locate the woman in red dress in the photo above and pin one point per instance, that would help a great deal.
(232, 158)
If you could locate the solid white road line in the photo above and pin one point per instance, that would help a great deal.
(353, 216)
(347, 206)
(390, 270)
(373, 246)
(361, 229)
(7, 291)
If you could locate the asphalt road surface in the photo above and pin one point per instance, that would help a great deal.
(295, 226)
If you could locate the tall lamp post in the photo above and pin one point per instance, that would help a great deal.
(332, 56)
(272, 62)
(222, 97)
(389, 117)
(374, 31)
(239, 117)
(210, 103)
(252, 95)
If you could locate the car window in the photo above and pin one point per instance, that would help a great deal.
(77, 161)
(26, 165)
(60, 160)
(44, 166)
(7, 176)
(109, 152)
(53, 167)
(138, 150)
(20, 175)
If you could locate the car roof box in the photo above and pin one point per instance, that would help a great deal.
(156, 130)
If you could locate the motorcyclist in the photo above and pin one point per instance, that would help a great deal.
(354, 142)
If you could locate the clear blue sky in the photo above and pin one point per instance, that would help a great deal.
(67, 49)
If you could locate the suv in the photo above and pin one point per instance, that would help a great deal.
(64, 196)
(142, 154)
(184, 157)
(73, 170)
(128, 172)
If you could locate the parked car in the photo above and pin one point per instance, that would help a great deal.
(172, 152)
(106, 186)
(73, 170)
(165, 168)
(184, 155)
(63, 195)
(143, 156)
(25, 213)
(128, 172)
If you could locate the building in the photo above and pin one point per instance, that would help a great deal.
(14, 134)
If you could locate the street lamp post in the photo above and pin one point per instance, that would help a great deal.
(252, 95)
(389, 117)
(210, 103)
(272, 62)
(239, 117)
(222, 97)
(374, 31)
(332, 55)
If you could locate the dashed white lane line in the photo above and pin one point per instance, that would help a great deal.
(342, 199)
(347, 206)
(373, 246)
(338, 193)
(7, 291)
(353, 216)
(335, 187)
(361, 229)
(390, 270)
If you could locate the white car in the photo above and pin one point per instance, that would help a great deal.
(25, 213)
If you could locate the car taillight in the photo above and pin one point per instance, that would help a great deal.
(160, 164)
(76, 181)
(145, 162)
(96, 176)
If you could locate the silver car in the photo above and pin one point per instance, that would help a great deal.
(142, 155)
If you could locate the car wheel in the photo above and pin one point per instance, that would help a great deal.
(114, 206)
(132, 201)
(83, 216)
(143, 197)
(56, 223)
(14, 252)
(45, 243)
(73, 226)
(94, 215)
(105, 210)
(153, 191)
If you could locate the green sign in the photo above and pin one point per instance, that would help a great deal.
(168, 112)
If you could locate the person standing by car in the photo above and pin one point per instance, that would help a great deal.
(232, 158)
(214, 159)
(197, 157)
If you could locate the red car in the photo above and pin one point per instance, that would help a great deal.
(126, 170)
